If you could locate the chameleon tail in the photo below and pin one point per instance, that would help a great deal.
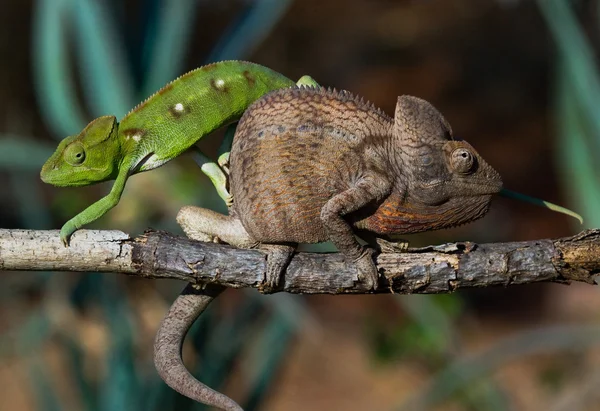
(541, 203)
(169, 339)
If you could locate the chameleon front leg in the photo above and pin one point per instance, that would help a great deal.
(96, 210)
(218, 172)
(214, 173)
(369, 188)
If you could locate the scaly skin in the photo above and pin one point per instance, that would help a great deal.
(158, 130)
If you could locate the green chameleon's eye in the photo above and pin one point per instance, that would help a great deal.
(75, 154)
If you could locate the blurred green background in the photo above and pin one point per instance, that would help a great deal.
(517, 79)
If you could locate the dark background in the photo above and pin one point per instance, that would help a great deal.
(517, 79)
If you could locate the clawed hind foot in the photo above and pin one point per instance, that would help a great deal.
(278, 258)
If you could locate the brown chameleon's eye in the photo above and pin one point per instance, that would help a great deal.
(426, 159)
(75, 154)
(462, 161)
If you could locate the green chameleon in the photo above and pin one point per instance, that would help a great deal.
(159, 129)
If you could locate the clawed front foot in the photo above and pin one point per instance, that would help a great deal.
(66, 232)
(223, 162)
(367, 270)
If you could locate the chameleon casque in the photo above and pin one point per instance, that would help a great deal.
(157, 130)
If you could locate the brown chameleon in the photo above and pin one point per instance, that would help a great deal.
(310, 165)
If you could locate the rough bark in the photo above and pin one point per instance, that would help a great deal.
(438, 269)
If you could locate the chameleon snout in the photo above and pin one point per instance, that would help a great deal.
(46, 172)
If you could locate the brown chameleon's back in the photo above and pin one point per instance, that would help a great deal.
(291, 155)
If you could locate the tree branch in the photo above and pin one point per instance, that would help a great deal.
(437, 269)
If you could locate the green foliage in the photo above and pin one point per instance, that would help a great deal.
(427, 335)
(577, 87)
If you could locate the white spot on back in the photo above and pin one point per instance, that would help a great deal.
(220, 83)
(137, 137)
(179, 108)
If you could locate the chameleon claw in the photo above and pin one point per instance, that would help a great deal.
(65, 236)
(223, 162)
(307, 81)
(215, 174)
(386, 246)
(278, 258)
(368, 275)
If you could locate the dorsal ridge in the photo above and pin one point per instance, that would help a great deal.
(343, 96)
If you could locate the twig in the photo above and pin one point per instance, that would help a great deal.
(439, 269)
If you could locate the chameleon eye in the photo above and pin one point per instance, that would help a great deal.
(462, 161)
(75, 154)
(426, 159)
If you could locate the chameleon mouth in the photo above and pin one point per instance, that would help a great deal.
(479, 186)
(47, 173)
(51, 174)
(489, 187)
(471, 187)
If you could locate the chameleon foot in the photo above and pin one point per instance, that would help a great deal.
(223, 162)
(213, 172)
(307, 81)
(66, 232)
(206, 225)
(367, 270)
(229, 201)
(386, 246)
(278, 258)
(64, 237)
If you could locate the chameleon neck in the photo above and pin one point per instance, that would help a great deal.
(195, 104)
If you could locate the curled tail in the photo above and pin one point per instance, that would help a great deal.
(169, 340)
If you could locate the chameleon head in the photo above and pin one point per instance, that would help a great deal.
(89, 157)
(448, 182)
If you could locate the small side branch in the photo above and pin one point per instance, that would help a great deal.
(439, 269)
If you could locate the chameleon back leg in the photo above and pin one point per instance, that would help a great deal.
(206, 225)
